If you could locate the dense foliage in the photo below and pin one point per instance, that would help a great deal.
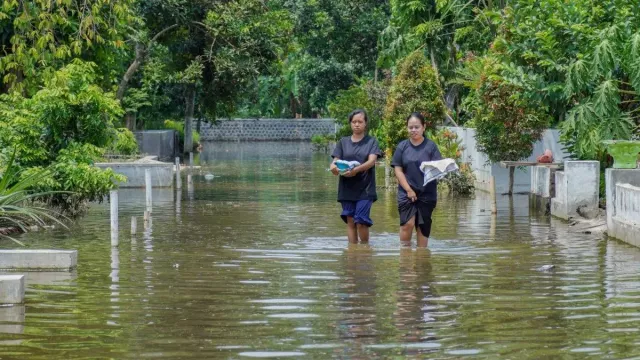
(508, 124)
(77, 74)
(414, 89)
(65, 127)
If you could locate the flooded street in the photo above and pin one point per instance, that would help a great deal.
(255, 263)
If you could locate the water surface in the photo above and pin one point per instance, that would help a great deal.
(255, 264)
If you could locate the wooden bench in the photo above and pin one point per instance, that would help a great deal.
(512, 165)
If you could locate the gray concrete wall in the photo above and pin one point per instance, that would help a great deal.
(484, 170)
(623, 202)
(161, 174)
(266, 129)
(11, 289)
(541, 181)
(577, 190)
(12, 322)
(160, 143)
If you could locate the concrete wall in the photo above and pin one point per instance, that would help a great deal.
(160, 143)
(483, 170)
(541, 181)
(11, 289)
(266, 129)
(161, 174)
(577, 190)
(623, 204)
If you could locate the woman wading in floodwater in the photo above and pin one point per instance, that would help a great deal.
(415, 201)
(357, 187)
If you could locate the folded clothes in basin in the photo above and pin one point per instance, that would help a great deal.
(435, 170)
(344, 166)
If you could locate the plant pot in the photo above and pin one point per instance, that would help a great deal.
(624, 153)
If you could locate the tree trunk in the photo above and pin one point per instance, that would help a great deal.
(387, 168)
(130, 119)
(133, 68)
(190, 100)
(141, 52)
(433, 62)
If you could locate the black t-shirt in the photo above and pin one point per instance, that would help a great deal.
(363, 185)
(409, 157)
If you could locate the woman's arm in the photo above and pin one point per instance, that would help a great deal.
(402, 180)
(371, 162)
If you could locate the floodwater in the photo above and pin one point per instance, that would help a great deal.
(255, 264)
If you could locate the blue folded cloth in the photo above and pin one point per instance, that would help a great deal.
(344, 166)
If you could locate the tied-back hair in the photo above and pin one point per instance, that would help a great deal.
(359, 111)
(418, 116)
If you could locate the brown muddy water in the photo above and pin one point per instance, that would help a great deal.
(255, 264)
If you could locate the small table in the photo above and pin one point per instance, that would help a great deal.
(512, 165)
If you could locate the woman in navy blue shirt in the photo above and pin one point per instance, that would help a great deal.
(416, 202)
(357, 187)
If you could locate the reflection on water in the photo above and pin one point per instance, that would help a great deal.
(255, 264)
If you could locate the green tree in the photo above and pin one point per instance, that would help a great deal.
(368, 95)
(38, 37)
(65, 127)
(210, 52)
(414, 89)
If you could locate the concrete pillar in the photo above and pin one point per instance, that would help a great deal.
(11, 289)
(577, 190)
(12, 322)
(620, 222)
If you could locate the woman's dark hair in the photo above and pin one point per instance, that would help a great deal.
(356, 112)
(418, 116)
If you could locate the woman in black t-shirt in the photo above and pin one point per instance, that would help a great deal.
(416, 201)
(357, 187)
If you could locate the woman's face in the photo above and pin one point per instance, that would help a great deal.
(358, 125)
(415, 128)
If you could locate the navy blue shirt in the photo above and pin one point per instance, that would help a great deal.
(409, 157)
(362, 186)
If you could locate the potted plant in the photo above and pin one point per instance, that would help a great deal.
(624, 153)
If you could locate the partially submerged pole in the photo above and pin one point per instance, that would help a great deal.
(178, 178)
(134, 225)
(492, 192)
(113, 198)
(147, 181)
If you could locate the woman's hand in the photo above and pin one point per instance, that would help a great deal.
(334, 169)
(412, 195)
(351, 173)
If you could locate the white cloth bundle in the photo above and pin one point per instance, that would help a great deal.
(435, 170)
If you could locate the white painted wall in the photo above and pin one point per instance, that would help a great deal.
(483, 170)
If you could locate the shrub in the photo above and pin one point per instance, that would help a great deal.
(74, 174)
(367, 95)
(322, 142)
(414, 89)
(179, 127)
(459, 183)
(507, 123)
(124, 143)
(64, 128)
